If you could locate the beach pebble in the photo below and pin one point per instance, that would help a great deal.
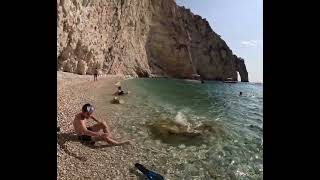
(192, 148)
(190, 168)
(158, 142)
(182, 146)
(201, 156)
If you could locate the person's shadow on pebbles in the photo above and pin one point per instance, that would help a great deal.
(65, 137)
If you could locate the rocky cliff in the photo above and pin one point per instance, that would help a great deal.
(140, 38)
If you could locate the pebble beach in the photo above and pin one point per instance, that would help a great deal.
(78, 161)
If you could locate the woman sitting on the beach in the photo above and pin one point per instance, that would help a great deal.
(92, 134)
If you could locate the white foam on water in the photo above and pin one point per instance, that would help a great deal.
(181, 119)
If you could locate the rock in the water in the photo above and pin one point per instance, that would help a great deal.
(167, 127)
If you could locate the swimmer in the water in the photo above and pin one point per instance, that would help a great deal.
(120, 92)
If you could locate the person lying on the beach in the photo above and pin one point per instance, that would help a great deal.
(120, 92)
(93, 134)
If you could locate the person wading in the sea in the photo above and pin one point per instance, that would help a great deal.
(92, 134)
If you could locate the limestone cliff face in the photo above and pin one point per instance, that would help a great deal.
(140, 38)
(108, 34)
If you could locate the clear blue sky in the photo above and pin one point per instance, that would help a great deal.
(240, 24)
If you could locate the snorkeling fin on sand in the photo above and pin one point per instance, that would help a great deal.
(148, 173)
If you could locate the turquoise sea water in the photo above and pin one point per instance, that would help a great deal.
(233, 151)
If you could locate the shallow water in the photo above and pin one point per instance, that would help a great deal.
(233, 150)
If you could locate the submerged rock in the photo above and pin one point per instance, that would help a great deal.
(167, 127)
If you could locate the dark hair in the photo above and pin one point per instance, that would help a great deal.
(87, 108)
